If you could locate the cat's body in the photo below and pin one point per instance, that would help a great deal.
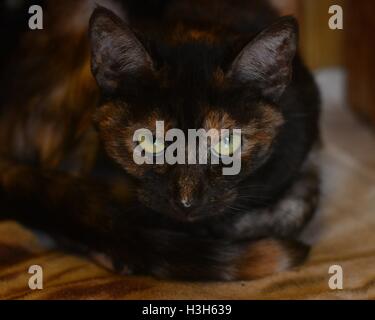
(188, 63)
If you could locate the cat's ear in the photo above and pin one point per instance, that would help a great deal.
(116, 52)
(267, 60)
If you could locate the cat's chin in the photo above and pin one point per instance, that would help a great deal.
(193, 217)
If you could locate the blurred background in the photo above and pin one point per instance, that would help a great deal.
(352, 48)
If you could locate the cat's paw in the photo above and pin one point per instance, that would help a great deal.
(268, 256)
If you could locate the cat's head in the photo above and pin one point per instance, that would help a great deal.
(192, 84)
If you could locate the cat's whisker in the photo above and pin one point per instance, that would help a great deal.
(248, 187)
(257, 201)
(299, 115)
(258, 187)
(244, 196)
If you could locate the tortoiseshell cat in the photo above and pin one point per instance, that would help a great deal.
(193, 64)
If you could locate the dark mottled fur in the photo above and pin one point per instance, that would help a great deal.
(192, 64)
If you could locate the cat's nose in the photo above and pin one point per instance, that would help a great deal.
(186, 203)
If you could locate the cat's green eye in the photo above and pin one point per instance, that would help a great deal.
(151, 145)
(227, 145)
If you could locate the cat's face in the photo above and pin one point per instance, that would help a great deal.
(190, 86)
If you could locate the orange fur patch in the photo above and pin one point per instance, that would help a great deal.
(182, 34)
(268, 256)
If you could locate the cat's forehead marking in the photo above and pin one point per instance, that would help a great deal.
(182, 34)
(200, 35)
